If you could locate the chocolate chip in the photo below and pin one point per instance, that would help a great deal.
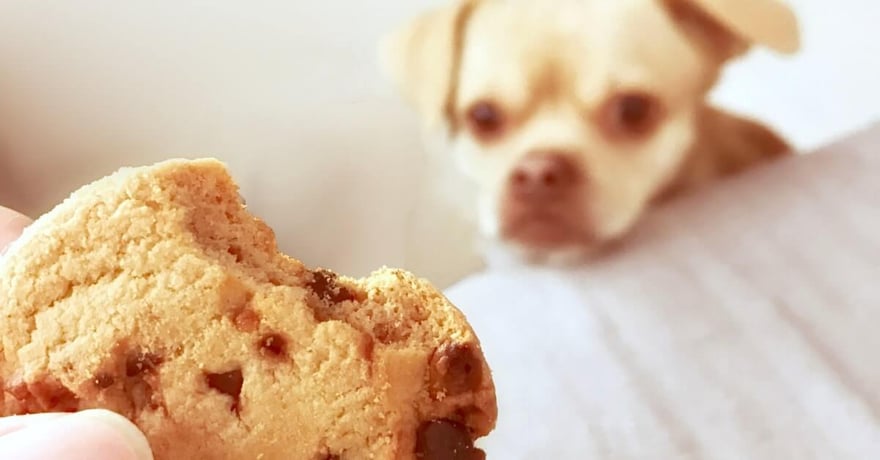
(328, 294)
(44, 395)
(456, 368)
(324, 284)
(236, 298)
(367, 346)
(140, 362)
(141, 368)
(228, 383)
(236, 252)
(246, 320)
(445, 440)
(273, 345)
(104, 380)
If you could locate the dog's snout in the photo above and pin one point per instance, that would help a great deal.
(545, 176)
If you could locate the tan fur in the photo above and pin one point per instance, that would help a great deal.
(727, 144)
(555, 70)
(422, 57)
(767, 22)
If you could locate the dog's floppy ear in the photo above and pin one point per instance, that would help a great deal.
(422, 58)
(732, 26)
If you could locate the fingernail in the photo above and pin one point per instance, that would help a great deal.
(133, 437)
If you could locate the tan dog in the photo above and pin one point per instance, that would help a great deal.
(571, 117)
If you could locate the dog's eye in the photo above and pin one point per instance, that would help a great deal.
(631, 114)
(485, 120)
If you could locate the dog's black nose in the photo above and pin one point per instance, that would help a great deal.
(545, 176)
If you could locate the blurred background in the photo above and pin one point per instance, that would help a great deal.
(290, 95)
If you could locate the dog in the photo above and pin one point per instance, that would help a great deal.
(569, 119)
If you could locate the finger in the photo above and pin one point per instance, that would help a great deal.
(86, 435)
(11, 225)
(18, 422)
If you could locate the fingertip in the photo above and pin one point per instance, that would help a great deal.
(87, 435)
(123, 427)
(12, 223)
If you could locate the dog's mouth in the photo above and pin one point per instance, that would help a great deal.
(545, 230)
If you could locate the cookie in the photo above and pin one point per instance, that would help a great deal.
(154, 293)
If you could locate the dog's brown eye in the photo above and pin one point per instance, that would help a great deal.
(631, 114)
(485, 120)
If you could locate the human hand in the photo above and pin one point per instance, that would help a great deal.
(94, 434)
(87, 435)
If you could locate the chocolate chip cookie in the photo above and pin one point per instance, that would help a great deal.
(154, 293)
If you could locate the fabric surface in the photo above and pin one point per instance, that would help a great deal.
(740, 323)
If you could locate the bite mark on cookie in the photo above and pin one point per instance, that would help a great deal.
(228, 383)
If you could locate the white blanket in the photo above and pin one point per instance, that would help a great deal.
(742, 324)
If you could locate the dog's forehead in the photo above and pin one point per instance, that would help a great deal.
(595, 42)
(582, 22)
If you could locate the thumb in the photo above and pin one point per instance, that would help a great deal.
(95, 434)
(11, 225)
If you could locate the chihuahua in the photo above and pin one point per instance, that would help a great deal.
(571, 118)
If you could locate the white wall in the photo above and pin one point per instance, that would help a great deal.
(289, 94)
(830, 88)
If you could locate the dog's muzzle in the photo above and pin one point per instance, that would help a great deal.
(542, 206)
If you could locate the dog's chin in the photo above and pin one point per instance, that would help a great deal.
(544, 232)
(570, 255)
(548, 240)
